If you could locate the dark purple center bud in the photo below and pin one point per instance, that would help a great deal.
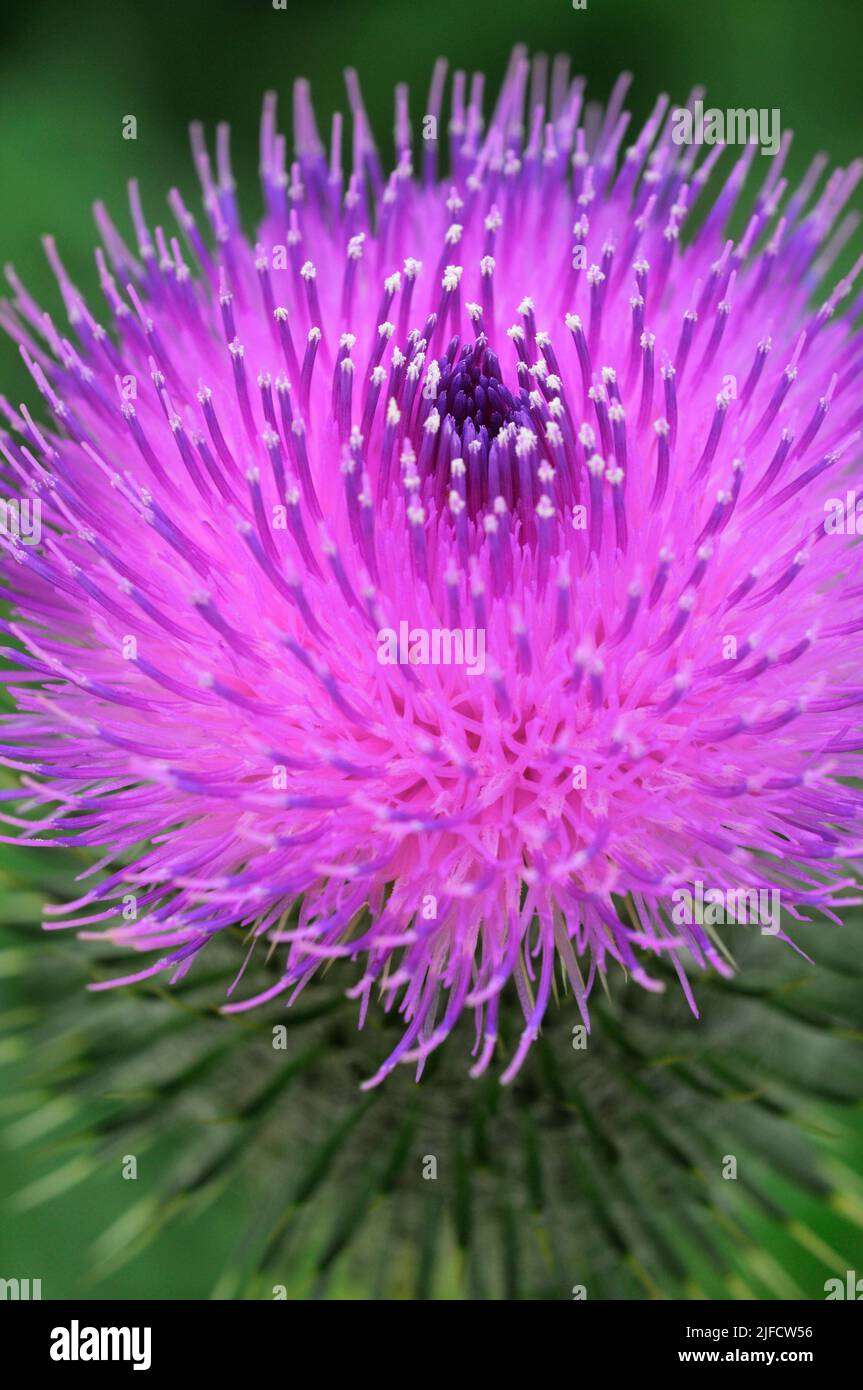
(472, 389)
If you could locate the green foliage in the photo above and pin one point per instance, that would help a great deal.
(260, 1168)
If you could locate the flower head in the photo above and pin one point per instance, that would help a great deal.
(439, 584)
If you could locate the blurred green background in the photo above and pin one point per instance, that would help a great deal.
(69, 73)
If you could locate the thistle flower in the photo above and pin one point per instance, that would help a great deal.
(519, 411)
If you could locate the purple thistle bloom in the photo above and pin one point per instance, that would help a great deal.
(441, 583)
